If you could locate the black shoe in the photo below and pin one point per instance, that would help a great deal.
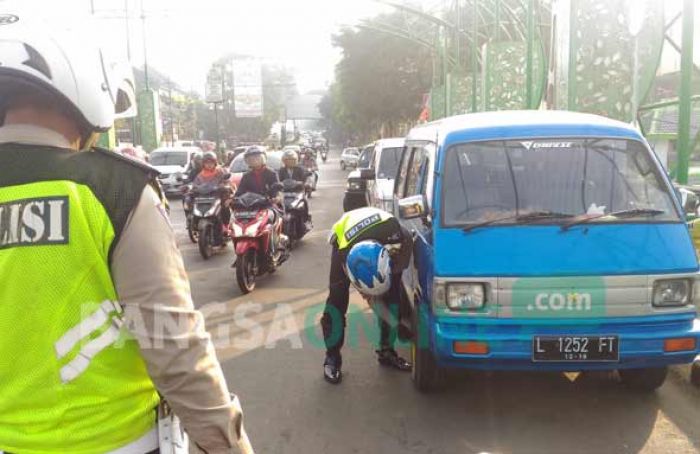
(389, 358)
(331, 370)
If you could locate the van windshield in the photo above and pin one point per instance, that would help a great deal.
(389, 162)
(169, 158)
(494, 180)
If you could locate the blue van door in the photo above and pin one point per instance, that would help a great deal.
(412, 179)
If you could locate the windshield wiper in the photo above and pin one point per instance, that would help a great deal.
(618, 214)
(522, 218)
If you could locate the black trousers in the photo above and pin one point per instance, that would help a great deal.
(333, 320)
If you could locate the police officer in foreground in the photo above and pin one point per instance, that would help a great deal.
(370, 250)
(87, 252)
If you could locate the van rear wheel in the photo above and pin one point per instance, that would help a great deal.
(643, 380)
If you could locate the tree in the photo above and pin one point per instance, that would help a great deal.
(380, 82)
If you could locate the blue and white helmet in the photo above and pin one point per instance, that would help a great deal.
(368, 267)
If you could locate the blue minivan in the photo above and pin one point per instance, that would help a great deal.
(544, 240)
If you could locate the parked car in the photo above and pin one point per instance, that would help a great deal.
(356, 188)
(384, 163)
(545, 241)
(238, 166)
(171, 163)
(349, 157)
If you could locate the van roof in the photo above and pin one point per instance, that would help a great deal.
(391, 142)
(520, 124)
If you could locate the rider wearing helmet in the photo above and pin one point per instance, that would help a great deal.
(259, 179)
(195, 166)
(360, 256)
(291, 168)
(87, 253)
(215, 177)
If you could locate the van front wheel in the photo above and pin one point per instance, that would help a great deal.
(695, 373)
(426, 374)
(644, 380)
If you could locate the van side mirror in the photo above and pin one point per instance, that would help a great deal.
(367, 174)
(689, 201)
(413, 207)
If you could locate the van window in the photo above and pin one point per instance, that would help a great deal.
(417, 171)
(402, 172)
(492, 180)
(389, 162)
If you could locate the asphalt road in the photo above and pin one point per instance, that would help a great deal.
(271, 350)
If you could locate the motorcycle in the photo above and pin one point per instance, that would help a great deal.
(255, 225)
(297, 222)
(204, 225)
(324, 154)
(311, 182)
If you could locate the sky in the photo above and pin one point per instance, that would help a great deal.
(183, 37)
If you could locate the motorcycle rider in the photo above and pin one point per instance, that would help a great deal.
(291, 170)
(360, 256)
(195, 166)
(213, 176)
(261, 180)
(308, 161)
(92, 256)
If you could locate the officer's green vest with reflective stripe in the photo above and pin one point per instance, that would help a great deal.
(355, 222)
(71, 380)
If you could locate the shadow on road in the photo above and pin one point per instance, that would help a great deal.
(376, 410)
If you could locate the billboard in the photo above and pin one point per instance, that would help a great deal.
(214, 90)
(247, 87)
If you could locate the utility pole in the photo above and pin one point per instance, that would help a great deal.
(145, 49)
(530, 51)
(128, 39)
(684, 108)
(172, 113)
(474, 50)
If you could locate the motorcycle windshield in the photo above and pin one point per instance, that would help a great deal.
(251, 200)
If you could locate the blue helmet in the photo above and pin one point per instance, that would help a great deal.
(368, 267)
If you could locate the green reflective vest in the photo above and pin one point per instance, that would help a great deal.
(71, 380)
(353, 223)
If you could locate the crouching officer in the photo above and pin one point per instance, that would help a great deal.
(87, 253)
(360, 242)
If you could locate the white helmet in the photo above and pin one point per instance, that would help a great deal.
(290, 154)
(36, 59)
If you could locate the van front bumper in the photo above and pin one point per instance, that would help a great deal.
(510, 342)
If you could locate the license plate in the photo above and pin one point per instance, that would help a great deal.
(576, 348)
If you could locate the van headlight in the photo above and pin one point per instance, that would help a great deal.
(459, 296)
(672, 292)
(354, 185)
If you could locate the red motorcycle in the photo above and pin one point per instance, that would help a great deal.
(255, 226)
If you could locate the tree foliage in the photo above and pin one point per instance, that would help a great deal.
(380, 82)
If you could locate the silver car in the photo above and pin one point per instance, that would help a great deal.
(349, 158)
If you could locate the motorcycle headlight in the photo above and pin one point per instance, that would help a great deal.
(252, 229)
(672, 293)
(467, 296)
(212, 210)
